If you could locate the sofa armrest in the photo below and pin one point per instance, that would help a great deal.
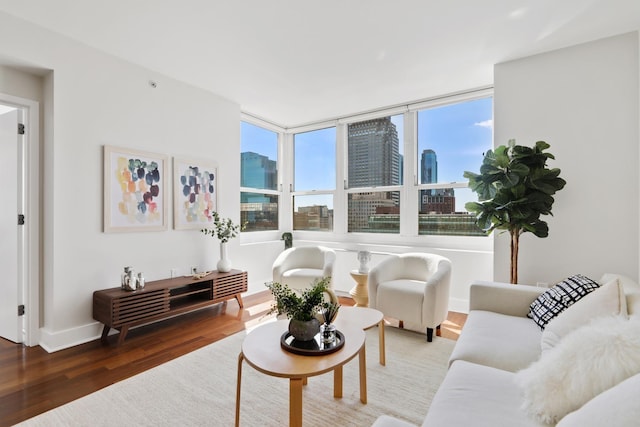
(512, 300)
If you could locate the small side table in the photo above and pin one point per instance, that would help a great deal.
(360, 291)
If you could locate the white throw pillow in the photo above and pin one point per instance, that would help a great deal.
(586, 362)
(607, 300)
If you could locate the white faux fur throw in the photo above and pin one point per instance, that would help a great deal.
(586, 362)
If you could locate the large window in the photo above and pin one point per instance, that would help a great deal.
(451, 139)
(258, 178)
(396, 174)
(314, 179)
(375, 167)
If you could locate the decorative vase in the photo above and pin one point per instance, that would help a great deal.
(304, 330)
(224, 264)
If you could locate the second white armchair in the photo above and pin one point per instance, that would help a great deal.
(412, 288)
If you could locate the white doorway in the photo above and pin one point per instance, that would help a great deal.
(11, 243)
(19, 220)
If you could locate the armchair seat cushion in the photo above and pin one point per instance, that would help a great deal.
(498, 340)
(402, 299)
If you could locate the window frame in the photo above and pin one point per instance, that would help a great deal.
(410, 188)
(260, 235)
(314, 192)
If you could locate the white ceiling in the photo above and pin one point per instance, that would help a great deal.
(293, 62)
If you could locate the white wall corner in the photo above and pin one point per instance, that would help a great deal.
(56, 341)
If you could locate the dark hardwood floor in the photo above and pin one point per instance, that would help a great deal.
(33, 381)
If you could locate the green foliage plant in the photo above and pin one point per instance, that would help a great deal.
(223, 228)
(303, 306)
(515, 187)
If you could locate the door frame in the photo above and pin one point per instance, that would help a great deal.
(29, 293)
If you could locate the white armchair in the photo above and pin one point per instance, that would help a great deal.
(413, 288)
(299, 266)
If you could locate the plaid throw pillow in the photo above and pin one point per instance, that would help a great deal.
(560, 297)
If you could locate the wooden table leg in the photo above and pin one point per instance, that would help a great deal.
(337, 382)
(239, 299)
(239, 381)
(295, 402)
(363, 375)
(383, 359)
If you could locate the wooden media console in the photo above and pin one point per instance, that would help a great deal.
(120, 309)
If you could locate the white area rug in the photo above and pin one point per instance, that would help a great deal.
(199, 389)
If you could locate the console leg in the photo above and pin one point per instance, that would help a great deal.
(123, 334)
(105, 333)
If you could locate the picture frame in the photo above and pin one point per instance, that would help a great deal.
(135, 190)
(195, 193)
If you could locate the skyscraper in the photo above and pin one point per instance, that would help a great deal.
(373, 161)
(439, 201)
(374, 157)
(257, 210)
(258, 171)
(429, 167)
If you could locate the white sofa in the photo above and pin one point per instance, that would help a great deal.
(504, 371)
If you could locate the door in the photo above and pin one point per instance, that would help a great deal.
(10, 243)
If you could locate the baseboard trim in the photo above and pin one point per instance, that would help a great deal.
(56, 341)
(459, 305)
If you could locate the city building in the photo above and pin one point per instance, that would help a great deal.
(373, 161)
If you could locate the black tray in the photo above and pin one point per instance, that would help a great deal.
(314, 347)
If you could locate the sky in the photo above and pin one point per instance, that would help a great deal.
(459, 133)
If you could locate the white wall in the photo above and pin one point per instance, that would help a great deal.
(582, 100)
(96, 100)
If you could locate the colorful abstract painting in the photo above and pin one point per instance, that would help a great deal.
(135, 190)
(194, 193)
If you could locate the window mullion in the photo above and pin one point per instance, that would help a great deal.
(409, 207)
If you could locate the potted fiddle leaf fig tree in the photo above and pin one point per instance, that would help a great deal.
(515, 188)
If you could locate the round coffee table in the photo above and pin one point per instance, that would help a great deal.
(364, 318)
(261, 349)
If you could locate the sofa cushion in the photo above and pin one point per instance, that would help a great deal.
(560, 297)
(498, 340)
(627, 283)
(608, 300)
(585, 363)
(617, 406)
(479, 396)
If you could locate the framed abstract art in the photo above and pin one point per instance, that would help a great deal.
(195, 193)
(135, 190)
